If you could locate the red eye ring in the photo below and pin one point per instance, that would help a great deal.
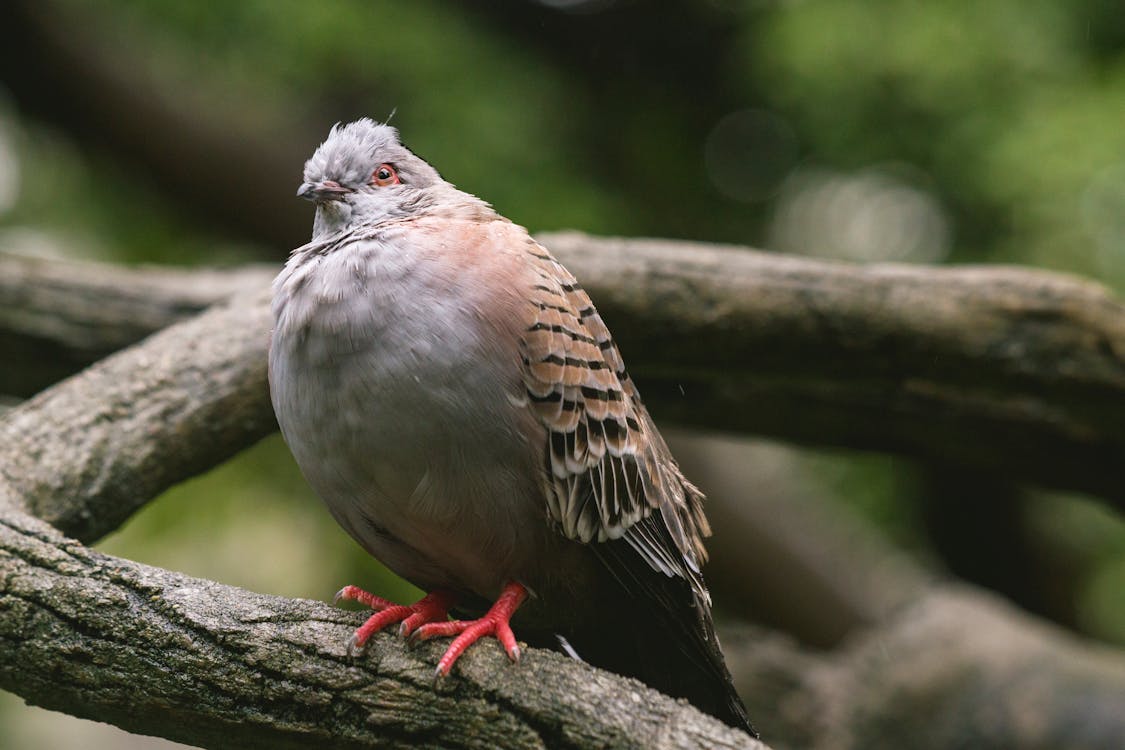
(384, 175)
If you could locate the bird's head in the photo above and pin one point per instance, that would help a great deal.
(363, 173)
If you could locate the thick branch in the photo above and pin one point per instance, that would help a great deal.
(57, 317)
(1016, 372)
(160, 653)
(85, 454)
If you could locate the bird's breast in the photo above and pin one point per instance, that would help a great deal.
(391, 352)
(396, 395)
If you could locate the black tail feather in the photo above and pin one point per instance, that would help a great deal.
(653, 627)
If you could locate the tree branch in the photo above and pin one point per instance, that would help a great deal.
(1018, 372)
(87, 453)
(57, 316)
(831, 574)
(156, 652)
(1015, 372)
(204, 663)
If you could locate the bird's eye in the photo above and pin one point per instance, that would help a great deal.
(385, 175)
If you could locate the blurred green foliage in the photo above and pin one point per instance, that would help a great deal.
(1005, 118)
(92, 207)
(1012, 108)
(456, 85)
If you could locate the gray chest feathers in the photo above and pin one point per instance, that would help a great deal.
(377, 361)
(398, 404)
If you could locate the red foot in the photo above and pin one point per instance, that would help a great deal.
(494, 622)
(433, 608)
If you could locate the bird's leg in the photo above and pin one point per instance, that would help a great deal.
(433, 607)
(495, 622)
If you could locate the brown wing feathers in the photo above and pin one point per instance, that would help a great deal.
(609, 468)
(612, 477)
(576, 393)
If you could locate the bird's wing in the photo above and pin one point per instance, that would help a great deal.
(609, 473)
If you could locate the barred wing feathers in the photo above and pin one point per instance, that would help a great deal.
(608, 468)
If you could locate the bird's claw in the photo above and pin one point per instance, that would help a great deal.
(431, 608)
(355, 648)
(495, 623)
(426, 619)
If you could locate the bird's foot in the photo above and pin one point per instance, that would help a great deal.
(432, 608)
(495, 622)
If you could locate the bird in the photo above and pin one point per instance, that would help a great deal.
(451, 393)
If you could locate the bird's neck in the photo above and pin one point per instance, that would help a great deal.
(331, 217)
(447, 202)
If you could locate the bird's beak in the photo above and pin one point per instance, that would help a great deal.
(319, 192)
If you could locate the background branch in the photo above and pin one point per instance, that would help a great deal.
(1014, 372)
(87, 453)
(57, 317)
(830, 574)
(953, 668)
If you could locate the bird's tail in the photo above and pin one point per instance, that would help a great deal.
(653, 627)
(666, 659)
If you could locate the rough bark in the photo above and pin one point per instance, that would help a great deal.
(87, 453)
(160, 653)
(157, 652)
(1014, 372)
